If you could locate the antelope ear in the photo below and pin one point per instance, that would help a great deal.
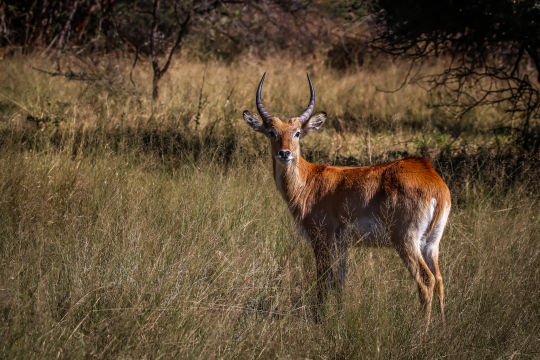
(314, 123)
(253, 121)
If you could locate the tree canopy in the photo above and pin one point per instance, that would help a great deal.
(492, 44)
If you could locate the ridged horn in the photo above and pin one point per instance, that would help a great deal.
(260, 108)
(307, 113)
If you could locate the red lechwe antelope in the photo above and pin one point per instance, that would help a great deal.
(403, 204)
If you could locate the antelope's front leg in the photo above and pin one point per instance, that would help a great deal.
(341, 262)
(324, 274)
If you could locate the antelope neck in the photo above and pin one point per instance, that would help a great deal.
(290, 179)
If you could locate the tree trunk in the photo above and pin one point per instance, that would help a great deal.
(155, 86)
(158, 73)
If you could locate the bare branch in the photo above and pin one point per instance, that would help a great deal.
(133, 66)
(181, 34)
(70, 75)
(403, 83)
(153, 39)
(67, 26)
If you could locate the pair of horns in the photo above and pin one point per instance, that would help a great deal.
(266, 115)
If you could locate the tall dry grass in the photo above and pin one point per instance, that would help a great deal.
(198, 99)
(127, 230)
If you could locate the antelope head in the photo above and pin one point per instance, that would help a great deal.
(285, 135)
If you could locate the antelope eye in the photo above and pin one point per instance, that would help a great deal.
(297, 134)
(272, 133)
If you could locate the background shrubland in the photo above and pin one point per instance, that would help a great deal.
(133, 227)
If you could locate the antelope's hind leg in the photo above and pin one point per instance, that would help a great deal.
(421, 273)
(430, 252)
(439, 287)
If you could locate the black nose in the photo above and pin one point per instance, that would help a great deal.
(284, 154)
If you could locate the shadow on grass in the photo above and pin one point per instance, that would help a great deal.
(494, 167)
(166, 143)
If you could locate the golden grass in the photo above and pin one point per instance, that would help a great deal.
(200, 98)
(120, 249)
(107, 258)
